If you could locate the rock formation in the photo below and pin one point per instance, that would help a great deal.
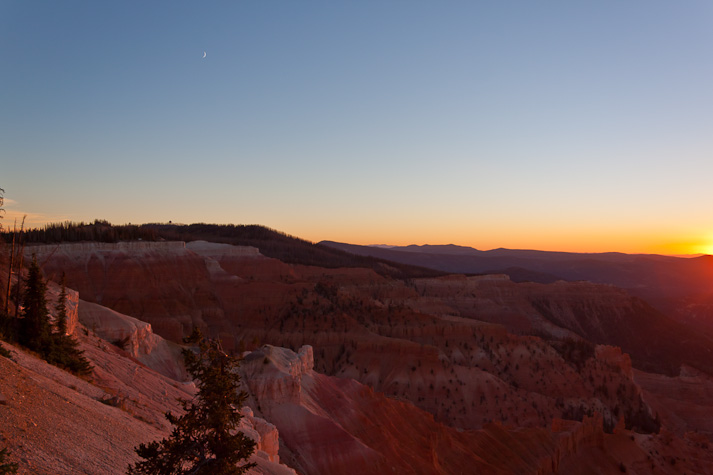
(55, 423)
(481, 360)
(337, 425)
(135, 337)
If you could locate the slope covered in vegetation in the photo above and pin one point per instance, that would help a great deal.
(270, 242)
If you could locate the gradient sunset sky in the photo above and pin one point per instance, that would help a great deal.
(554, 125)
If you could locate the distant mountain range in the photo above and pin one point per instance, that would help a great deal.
(667, 282)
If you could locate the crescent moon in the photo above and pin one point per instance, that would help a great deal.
(204, 54)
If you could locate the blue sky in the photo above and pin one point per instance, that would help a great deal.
(549, 124)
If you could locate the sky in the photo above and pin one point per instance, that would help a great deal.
(549, 124)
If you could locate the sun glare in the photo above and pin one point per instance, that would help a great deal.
(706, 245)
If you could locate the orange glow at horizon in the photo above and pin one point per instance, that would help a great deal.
(555, 240)
(503, 233)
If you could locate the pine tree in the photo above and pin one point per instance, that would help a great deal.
(64, 349)
(36, 333)
(205, 440)
(35, 325)
(60, 320)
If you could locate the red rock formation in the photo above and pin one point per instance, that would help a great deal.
(54, 423)
(462, 370)
(452, 346)
(336, 425)
(135, 337)
(684, 402)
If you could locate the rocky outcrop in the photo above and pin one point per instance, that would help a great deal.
(280, 379)
(287, 390)
(265, 435)
(684, 402)
(614, 356)
(575, 437)
(135, 337)
(54, 423)
(336, 425)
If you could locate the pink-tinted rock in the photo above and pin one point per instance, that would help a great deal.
(135, 337)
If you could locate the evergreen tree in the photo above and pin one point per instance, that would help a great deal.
(35, 325)
(205, 440)
(60, 320)
(6, 467)
(64, 349)
(36, 333)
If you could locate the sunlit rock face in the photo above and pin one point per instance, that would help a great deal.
(267, 444)
(135, 337)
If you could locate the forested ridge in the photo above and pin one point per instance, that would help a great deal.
(270, 242)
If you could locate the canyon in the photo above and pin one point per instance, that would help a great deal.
(354, 371)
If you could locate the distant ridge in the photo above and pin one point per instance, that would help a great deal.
(664, 281)
(438, 249)
(270, 242)
(454, 249)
